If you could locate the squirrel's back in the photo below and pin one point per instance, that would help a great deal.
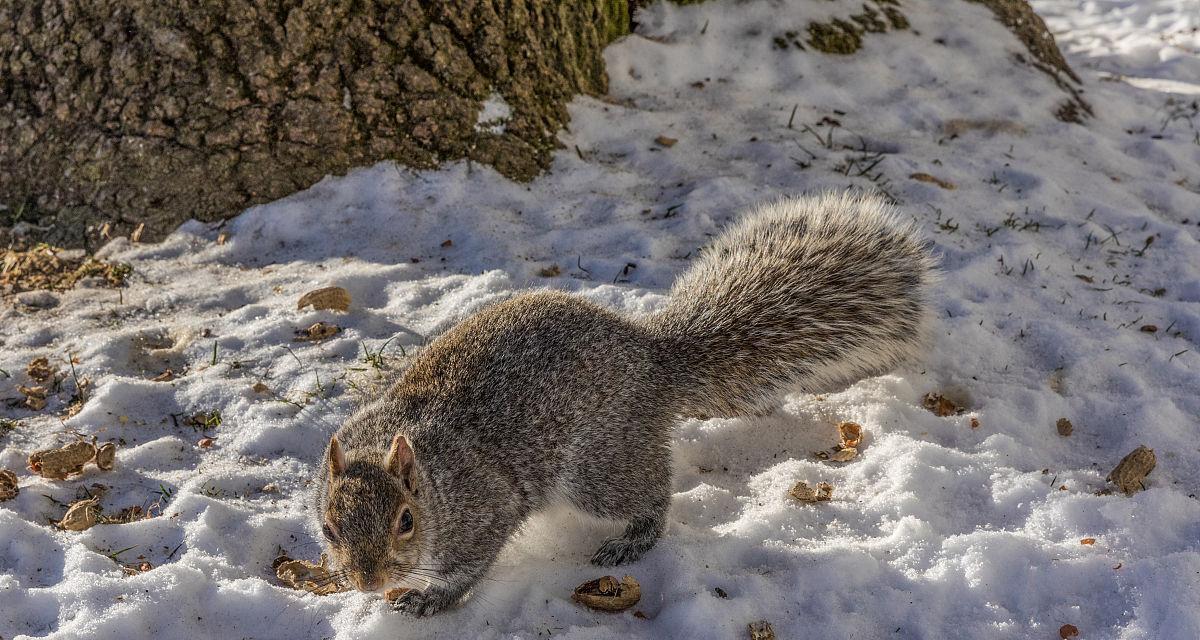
(807, 294)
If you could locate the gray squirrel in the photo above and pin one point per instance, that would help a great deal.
(548, 398)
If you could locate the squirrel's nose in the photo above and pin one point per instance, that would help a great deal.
(365, 583)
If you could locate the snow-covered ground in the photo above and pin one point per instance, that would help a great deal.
(1058, 243)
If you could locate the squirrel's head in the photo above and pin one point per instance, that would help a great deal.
(372, 515)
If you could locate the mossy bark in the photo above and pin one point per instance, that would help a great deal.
(156, 111)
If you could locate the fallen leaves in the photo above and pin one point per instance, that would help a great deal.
(850, 434)
(335, 298)
(1088, 541)
(1068, 631)
(940, 405)
(806, 494)
(35, 397)
(50, 268)
(552, 271)
(761, 630)
(317, 332)
(844, 455)
(306, 576)
(40, 371)
(69, 459)
(1130, 473)
(665, 141)
(608, 594)
(8, 485)
(925, 177)
(1064, 427)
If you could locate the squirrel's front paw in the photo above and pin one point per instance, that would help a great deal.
(420, 603)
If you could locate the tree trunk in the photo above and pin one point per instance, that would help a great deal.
(156, 111)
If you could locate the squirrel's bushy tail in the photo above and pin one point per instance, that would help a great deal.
(807, 294)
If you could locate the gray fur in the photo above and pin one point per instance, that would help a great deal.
(547, 397)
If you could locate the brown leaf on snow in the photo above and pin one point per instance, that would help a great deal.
(1068, 631)
(844, 455)
(925, 177)
(666, 141)
(35, 397)
(335, 298)
(806, 494)
(40, 371)
(1088, 541)
(940, 405)
(317, 332)
(761, 630)
(850, 434)
(1064, 427)
(8, 485)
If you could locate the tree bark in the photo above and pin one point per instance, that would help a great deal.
(156, 111)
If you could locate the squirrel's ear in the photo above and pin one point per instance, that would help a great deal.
(337, 459)
(400, 457)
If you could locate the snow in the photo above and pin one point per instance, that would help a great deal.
(494, 115)
(936, 530)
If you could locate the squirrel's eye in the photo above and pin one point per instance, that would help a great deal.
(406, 522)
(328, 531)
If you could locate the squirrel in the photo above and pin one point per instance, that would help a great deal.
(548, 398)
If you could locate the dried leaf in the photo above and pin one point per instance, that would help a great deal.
(306, 576)
(1068, 631)
(35, 397)
(1064, 427)
(393, 595)
(260, 388)
(925, 177)
(551, 271)
(1088, 541)
(1130, 473)
(940, 405)
(761, 630)
(40, 371)
(850, 434)
(317, 332)
(81, 515)
(447, 243)
(806, 494)
(666, 141)
(8, 485)
(335, 298)
(165, 376)
(136, 236)
(974, 422)
(608, 594)
(1148, 328)
(205, 443)
(844, 455)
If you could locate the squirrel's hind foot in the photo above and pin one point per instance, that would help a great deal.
(638, 538)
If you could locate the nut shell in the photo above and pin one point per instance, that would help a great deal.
(608, 594)
(1132, 470)
(57, 464)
